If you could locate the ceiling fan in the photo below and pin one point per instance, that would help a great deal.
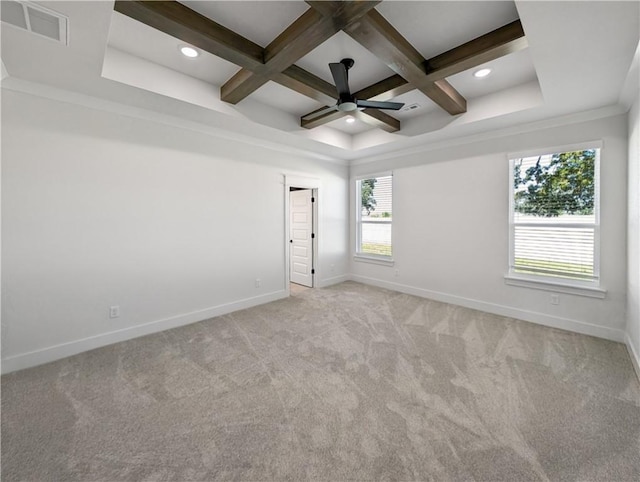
(346, 101)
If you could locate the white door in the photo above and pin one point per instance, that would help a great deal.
(300, 241)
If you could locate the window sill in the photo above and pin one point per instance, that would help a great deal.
(555, 286)
(373, 260)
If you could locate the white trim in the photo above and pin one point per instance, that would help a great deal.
(351, 156)
(634, 355)
(544, 151)
(357, 181)
(426, 146)
(52, 353)
(361, 258)
(543, 281)
(549, 284)
(314, 184)
(61, 95)
(360, 177)
(302, 181)
(568, 324)
(333, 281)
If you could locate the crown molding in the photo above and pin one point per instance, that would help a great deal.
(585, 116)
(61, 95)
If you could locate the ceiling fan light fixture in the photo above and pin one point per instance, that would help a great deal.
(479, 74)
(347, 106)
(188, 51)
(350, 120)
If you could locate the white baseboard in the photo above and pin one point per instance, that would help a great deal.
(333, 281)
(49, 354)
(525, 315)
(635, 356)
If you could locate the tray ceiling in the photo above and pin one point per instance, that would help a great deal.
(434, 27)
(113, 57)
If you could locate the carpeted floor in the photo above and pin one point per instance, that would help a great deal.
(345, 383)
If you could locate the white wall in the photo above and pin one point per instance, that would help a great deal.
(173, 226)
(633, 235)
(100, 209)
(450, 228)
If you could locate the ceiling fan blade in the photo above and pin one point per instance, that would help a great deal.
(341, 79)
(319, 112)
(372, 104)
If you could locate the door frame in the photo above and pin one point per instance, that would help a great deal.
(303, 183)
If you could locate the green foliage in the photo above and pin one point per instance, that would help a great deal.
(565, 185)
(386, 214)
(368, 202)
(376, 248)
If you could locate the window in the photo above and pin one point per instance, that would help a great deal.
(554, 228)
(374, 217)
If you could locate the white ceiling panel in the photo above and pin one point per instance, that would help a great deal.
(367, 69)
(285, 99)
(435, 27)
(506, 72)
(138, 39)
(260, 22)
(352, 128)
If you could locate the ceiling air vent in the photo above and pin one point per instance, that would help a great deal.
(411, 107)
(36, 19)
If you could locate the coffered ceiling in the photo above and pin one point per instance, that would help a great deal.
(576, 57)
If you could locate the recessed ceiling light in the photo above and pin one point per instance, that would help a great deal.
(481, 73)
(189, 51)
(350, 120)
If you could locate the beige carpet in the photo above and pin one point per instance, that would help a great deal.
(345, 383)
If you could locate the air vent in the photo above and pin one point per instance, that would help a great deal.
(36, 19)
(411, 107)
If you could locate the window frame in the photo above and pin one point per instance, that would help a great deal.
(358, 254)
(590, 288)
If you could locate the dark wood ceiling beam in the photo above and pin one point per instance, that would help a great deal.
(308, 84)
(375, 33)
(310, 30)
(373, 117)
(385, 90)
(321, 119)
(503, 41)
(181, 22)
(378, 118)
(498, 43)
(187, 25)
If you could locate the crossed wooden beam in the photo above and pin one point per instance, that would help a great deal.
(360, 20)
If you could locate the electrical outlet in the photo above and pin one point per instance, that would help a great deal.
(114, 311)
(258, 283)
(397, 273)
(555, 299)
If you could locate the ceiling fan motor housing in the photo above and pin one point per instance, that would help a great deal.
(348, 105)
(348, 63)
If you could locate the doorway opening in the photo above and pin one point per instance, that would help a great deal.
(301, 238)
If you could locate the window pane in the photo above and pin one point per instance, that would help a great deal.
(376, 198)
(554, 251)
(555, 215)
(555, 184)
(376, 238)
(375, 215)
